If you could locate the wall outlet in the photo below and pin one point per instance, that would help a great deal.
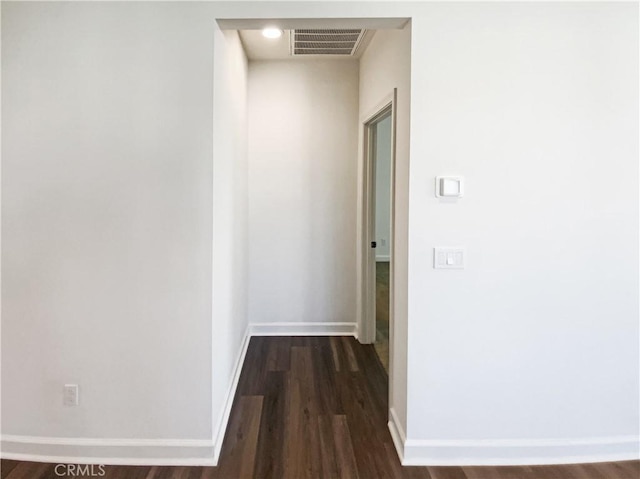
(70, 395)
(383, 242)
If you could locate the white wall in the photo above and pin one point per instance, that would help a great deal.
(536, 105)
(383, 188)
(107, 226)
(385, 65)
(230, 228)
(302, 190)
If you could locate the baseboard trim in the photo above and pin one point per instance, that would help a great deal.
(107, 442)
(397, 434)
(518, 452)
(109, 451)
(383, 258)
(303, 329)
(510, 452)
(110, 461)
(231, 393)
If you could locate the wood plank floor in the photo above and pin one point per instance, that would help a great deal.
(382, 313)
(317, 408)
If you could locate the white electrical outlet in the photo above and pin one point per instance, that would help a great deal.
(383, 242)
(70, 395)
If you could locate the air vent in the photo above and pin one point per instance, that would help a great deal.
(325, 42)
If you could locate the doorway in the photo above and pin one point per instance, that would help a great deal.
(379, 137)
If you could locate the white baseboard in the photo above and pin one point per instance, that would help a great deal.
(516, 452)
(397, 434)
(303, 329)
(111, 461)
(231, 393)
(510, 452)
(383, 258)
(108, 442)
(109, 451)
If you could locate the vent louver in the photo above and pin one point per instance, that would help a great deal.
(325, 42)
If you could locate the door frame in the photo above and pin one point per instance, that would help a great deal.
(366, 254)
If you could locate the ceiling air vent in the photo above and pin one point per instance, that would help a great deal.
(325, 42)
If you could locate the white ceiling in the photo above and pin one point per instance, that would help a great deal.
(258, 47)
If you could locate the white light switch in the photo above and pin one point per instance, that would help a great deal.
(449, 186)
(448, 258)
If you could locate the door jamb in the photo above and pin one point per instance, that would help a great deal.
(366, 254)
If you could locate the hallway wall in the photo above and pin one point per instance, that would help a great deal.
(385, 65)
(302, 190)
(230, 229)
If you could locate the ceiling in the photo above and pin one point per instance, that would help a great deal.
(258, 47)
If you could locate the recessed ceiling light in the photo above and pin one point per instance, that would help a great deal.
(271, 32)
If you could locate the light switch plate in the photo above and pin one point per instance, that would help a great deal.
(449, 186)
(449, 258)
(70, 395)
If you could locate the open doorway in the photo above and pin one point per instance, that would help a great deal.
(381, 159)
(379, 151)
(305, 117)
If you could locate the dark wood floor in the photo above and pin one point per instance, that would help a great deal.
(317, 408)
(382, 313)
